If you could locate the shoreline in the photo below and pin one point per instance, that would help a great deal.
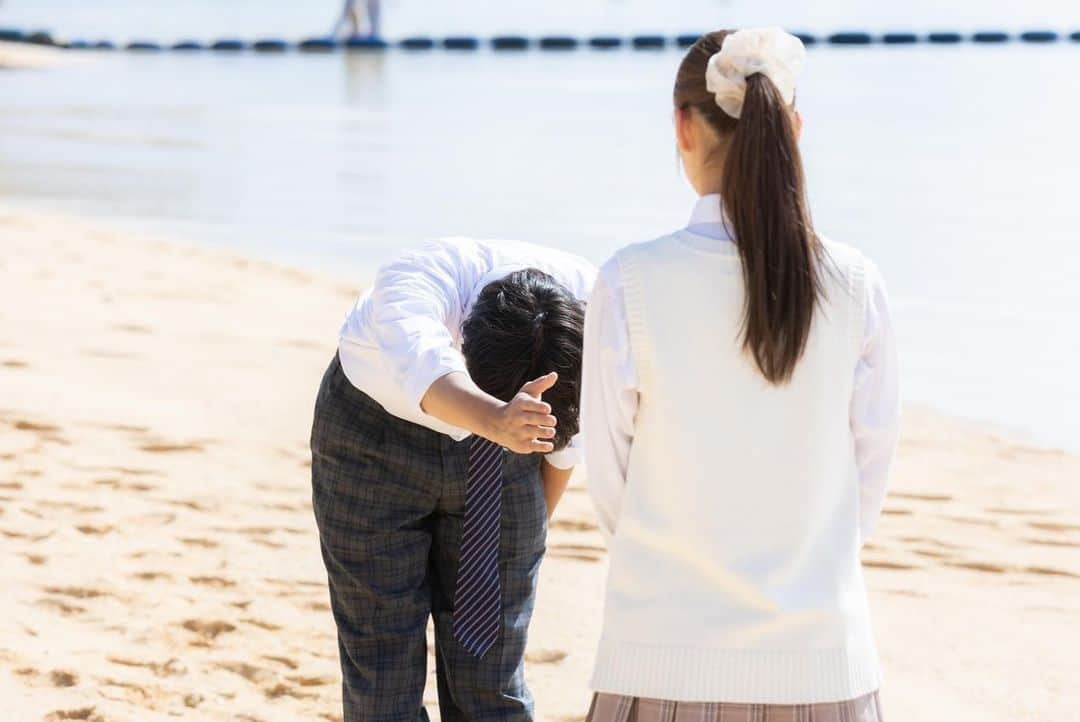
(995, 431)
(155, 503)
(363, 274)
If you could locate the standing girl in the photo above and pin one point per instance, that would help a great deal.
(740, 400)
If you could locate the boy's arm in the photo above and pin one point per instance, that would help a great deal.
(555, 481)
(523, 425)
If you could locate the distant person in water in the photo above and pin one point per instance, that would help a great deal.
(350, 18)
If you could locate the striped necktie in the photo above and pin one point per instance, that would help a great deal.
(477, 599)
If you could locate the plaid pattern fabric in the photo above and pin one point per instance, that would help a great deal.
(620, 708)
(389, 499)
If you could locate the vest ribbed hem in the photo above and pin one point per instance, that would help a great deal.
(687, 674)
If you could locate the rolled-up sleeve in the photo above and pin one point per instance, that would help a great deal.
(609, 396)
(875, 404)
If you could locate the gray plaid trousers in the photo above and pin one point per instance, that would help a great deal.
(389, 498)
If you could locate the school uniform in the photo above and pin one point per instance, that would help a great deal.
(390, 485)
(735, 509)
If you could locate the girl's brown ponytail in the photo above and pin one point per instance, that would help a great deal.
(764, 195)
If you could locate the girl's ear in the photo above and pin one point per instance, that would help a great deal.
(684, 134)
(798, 125)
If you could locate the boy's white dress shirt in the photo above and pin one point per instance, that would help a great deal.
(404, 333)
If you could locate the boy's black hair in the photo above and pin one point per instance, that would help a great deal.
(522, 327)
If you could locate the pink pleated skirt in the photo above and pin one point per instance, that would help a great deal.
(619, 708)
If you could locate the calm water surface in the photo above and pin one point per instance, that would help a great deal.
(954, 168)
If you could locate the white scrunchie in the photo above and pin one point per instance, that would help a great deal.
(770, 51)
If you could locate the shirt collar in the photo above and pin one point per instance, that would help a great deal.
(708, 219)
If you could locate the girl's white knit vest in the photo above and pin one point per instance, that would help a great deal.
(735, 572)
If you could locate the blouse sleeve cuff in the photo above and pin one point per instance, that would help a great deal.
(429, 368)
(568, 457)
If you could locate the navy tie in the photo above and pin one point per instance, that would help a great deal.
(477, 599)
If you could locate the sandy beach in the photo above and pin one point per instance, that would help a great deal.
(161, 560)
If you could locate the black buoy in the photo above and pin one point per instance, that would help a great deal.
(605, 42)
(188, 45)
(318, 45)
(558, 42)
(270, 45)
(649, 42)
(40, 38)
(850, 39)
(230, 45)
(686, 40)
(510, 42)
(899, 38)
(460, 42)
(1075, 37)
(945, 38)
(1040, 36)
(990, 36)
(148, 46)
(417, 43)
(365, 42)
(807, 39)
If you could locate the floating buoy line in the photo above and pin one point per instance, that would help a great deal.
(522, 42)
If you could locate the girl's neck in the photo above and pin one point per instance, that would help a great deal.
(709, 178)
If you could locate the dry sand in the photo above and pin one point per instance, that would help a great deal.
(161, 561)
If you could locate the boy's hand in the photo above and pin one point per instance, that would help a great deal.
(525, 423)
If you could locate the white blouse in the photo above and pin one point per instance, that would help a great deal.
(609, 395)
(404, 333)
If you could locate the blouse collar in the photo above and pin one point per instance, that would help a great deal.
(708, 218)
